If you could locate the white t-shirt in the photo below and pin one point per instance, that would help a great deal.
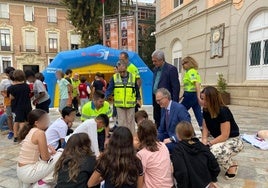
(5, 83)
(39, 87)
(89, 127)
(57, 130)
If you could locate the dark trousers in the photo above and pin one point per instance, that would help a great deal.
(170, 145)
(156, 112)
(44, 105)
(190, 101)
(101, 140)
(75, 103)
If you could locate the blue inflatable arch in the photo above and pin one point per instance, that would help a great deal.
(94, 55)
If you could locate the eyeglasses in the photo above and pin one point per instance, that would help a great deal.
(159, 100)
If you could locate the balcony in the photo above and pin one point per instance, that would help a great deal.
(30, 49)
(51, 50)
(52, 19)
(5, 48)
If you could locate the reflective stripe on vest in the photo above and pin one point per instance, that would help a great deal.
(124, 95)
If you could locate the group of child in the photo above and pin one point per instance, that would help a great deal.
(125, 161)
(17, 97)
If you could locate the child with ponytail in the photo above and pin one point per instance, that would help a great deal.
(35, 161)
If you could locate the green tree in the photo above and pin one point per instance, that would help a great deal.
(86, 16)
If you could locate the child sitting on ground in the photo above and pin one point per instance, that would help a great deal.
(118, 165)
(91, 127)
(194, 165)
(154, 156)
(58, 130)
(35, 162)
(140, 116)
(76, 163)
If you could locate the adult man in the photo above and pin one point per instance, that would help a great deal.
(96, 107)
(126, 95)
(131, 67)
(75, 100)
(95, 130)
(5, 83)
(171, 114)
(165, 76)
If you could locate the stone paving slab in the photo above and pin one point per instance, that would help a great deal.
(253, 162)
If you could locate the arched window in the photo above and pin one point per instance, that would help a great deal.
(257, 63)
(177, 55)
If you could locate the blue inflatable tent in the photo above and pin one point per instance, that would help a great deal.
(94, 59)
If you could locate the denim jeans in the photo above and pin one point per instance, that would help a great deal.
(3, 122)
(190, 101)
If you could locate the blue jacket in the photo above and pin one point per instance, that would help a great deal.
(177, 114)
(170, 80)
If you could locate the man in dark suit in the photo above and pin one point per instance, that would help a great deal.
(165, 76)
(171, 114)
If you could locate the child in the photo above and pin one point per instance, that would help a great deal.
(140, 116)
(5, 83)
(34, 161)
(57, 131)
(76, 163)
(84, 91)
(65, 89)
(19, 94)
(41, 97)
(94, 128)
(154, 156)
(118, 165)
(194, 165)
(3, 118)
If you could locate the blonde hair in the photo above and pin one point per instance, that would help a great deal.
(185, 130)
(191, 61)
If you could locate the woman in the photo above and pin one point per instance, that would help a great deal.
(76, 164)
(154, 156)
(192, 82)
(118, 165)
(220, 123)
(194, 165)
(35, 162)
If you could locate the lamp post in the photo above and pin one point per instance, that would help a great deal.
(119, 25)
(137, 28)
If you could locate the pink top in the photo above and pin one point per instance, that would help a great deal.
(29, 152)
(156, 167)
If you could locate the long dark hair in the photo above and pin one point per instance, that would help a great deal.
(214, 101)
(147, 135)
(33, 116)
(119, 160)
(75, 152)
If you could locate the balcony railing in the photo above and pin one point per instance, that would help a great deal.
(5, 48)
(30, 48)
(51, 50)
(52, 19)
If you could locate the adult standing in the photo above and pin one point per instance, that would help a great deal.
(171, 114)
(165, 76)
(220, 123)
(191, 84)
(65, 89)
(126, 95)
(75, 93)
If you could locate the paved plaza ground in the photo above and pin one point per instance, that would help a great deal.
(253, 162)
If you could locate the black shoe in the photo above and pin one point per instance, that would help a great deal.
(78, 114)
(15, 139)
